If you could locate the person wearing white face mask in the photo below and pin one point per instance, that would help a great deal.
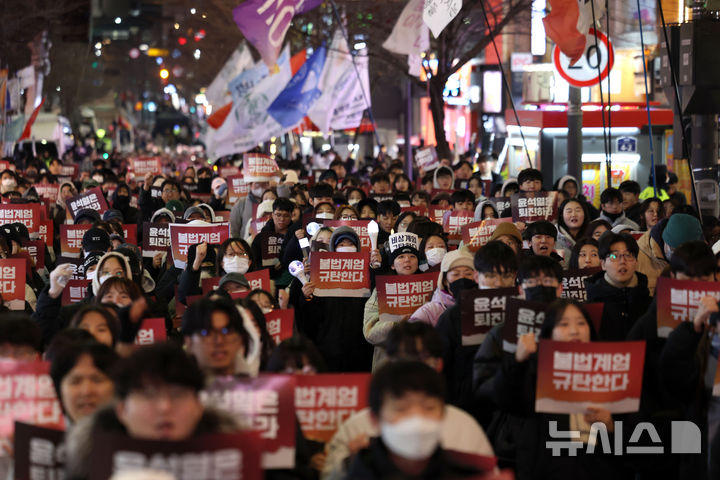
(407, 403)
(8, 181)
(325, 210)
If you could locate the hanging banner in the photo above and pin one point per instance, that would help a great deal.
(678, 301)
(573, 376)
(399, 296)
(340, 274)
(263, 405)
(323, 402)
(480, 311)
(410, 35)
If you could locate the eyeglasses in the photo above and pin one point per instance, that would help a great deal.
(226, 334)
(615, 257)
(170, 190)
(545, 282)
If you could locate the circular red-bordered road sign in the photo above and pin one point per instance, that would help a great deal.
(585, 73)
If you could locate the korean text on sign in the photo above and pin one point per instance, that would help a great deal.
(678, 301)
(399, 296)
(480, 311)
(92, 199)
(182, 236)
(534, 206)
(340, 274)
(521, 317)
(575, 375)
(574, 283)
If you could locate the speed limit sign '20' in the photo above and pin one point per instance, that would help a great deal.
(584, 73)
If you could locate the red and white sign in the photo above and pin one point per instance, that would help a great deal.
(151, 331)
(573, 376)
(259, 168)
(323, 402)
(12, 282)
(437, 213)
(477, 234)
(92, 199)
(340, 274)
(29, 214)
(678, 301)
(182, 236)
(71, 239)
(360, 227)
(400, 295)
(142, 166)
(280, 324)
(36, 250)
(48, 191)
(156, 238)
(130, 233)
(237, 187)
(584, 73)
(75, 291)
(27, 395)
(258, 280)
(453, 223)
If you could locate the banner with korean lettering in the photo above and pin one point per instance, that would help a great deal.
(437, 213)
(399, 296)
(453, 223)
(477, 234)
(521, 317)
(12, 282)
(156, 238)
(71, 239)
(45, 232)
(324, 401)
(237, 188)
(258, 280)
(39, 452)
(574, 283)
(340, 274)
(270, 245)
(182, 236)
(678, 301)
(130, 233)
(573, 376)
(360, 227)
(47, 191)
(530, 207)
(231, 456)
(76, 263)
(152, 330)
(259, 168)
(36, 250)
(280, 324)
(27, 395)
(90, 199)
(502, 204)
(480, 311)
(141, 166)
(29, 214)
(426, 159)
(263, 405)
(75, 291)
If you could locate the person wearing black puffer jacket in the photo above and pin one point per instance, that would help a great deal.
(623, 291)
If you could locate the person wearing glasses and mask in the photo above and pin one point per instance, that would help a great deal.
(267, 244)
(620, 287)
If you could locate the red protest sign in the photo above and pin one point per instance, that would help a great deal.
(575, 375)
(480, 311)
(477, 234)
(152, 330)
(68, 171)
(156, 238)
(437, 213)
(29, 214)
(530, 207)
(360, 227)
(521, 317)
(323, 402)
(280, 324)
(91, 199)
(259, 168)
(27, 395)
(141, 166)
(263, 405)
(48, 191)
(36, 250)
(237, 188)
(257, 225)
(574, 283)
(71, 239)
(270, 245)
(400, 295)
(38, 450)
(222, 455)
(453, 223)
(427, 159)
(75, 291)
(45, 232)
(340, 274)
(182, 236)
(130, 233)
(259, 279)
(12, 282)
(678, 301)
(595, 310)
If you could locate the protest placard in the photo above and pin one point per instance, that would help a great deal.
(130, 233)
(324, 401)
(521, 317)
(45, 232)
(530, 207)
(678, 301)
(92, 199)
(71, 239)
(47, 191)
(280, 324)
(427, 159)
(12, 282)
(259, 279)
(237, 188)
(220, 456)
(141, 166)
(437, 213)
(152, 330)
(573, 376)
(480, 311)
(399, 296)
(75, 291)
(29, 214)
(39, 452)
(360, 227)
(476, 234)
(156, 238)
(270, 245)
(453, 223)
(340, 274)
(574, 283)
(36, 250)
(182, 236)
(502, 204)
(264, 405)
(259, 168)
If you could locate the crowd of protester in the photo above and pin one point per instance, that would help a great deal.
(432, 399)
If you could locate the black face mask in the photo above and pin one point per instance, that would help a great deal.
(612, 216)
(541, 293)
(203, 185)
(122, 202)
(457, 287)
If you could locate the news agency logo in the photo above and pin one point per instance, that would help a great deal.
(685, 439)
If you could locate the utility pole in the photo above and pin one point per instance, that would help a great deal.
(574, 138)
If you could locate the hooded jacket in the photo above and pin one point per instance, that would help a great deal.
(435, 174)
(651, 258)
(479, 209)
(123, 262)
(505, 185)
(621, 220)
(430, 312)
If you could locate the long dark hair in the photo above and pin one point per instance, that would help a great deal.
(644, 206)
(574, 256)
(554, 312)
(586, 218)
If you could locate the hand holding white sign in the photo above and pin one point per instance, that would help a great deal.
(59, 278)
(526, 346)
